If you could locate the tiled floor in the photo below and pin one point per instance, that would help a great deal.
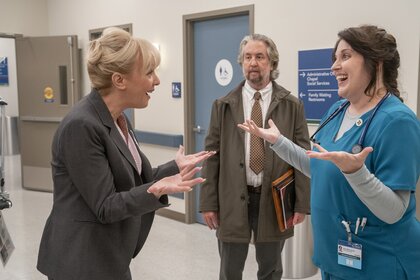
(173, 250)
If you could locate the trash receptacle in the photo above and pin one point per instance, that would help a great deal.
(297, 253)
(10, 136)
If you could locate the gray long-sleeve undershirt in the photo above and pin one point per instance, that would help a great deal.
(386, 204)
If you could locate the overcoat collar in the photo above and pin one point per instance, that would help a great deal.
(234, 100)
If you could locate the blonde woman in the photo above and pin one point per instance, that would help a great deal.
(105, 190)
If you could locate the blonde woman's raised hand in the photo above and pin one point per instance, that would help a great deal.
(188, 162)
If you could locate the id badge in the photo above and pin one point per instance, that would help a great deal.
(349, 254)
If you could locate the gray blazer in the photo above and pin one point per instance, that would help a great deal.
(101, 214)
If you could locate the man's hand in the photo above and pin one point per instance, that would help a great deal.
(298, 218)
(211, 218)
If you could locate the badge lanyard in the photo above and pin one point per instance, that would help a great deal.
(350, 253)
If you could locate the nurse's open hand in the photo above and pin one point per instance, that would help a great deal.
(346, 162)
(268, 134)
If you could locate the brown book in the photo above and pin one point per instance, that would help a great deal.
(284, 195)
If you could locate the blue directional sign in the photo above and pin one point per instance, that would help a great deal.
(318, 88)
(4, 72)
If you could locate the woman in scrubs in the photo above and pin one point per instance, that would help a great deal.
(364, 166)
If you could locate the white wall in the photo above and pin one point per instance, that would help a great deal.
(29, 17)
(293, 25)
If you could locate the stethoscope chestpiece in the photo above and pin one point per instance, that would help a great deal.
(356, 149)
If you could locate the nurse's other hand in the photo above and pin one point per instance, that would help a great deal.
(268, 134)
(346, 162)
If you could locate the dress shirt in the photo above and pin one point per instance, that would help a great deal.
(248, 101)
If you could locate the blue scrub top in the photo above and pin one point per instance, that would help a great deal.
(394, 134)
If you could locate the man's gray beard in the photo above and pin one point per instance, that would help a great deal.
(255, 80)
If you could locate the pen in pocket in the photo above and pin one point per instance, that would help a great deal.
(357, 226)
(364, 220)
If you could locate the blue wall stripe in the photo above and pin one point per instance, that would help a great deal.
(161, 139)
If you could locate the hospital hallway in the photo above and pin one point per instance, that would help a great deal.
(173, 251)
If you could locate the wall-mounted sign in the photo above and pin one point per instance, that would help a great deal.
(4, 72)
(318, 88)
(176, 89)
(48, 95)
(223, 72)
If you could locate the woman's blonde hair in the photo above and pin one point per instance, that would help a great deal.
(150, 55)
(117, 51)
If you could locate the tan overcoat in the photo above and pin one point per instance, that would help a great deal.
(225, 189)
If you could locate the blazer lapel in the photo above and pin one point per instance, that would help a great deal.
(107, 120)
(122, 146)
(146, 170)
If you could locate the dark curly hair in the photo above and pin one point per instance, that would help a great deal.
(375, 45)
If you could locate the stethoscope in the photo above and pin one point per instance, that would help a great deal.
(357, 148)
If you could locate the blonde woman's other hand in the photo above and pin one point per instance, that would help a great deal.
(181, 182)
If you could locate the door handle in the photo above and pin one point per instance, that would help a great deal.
(198, 129)
(40, 119)
(72, 78)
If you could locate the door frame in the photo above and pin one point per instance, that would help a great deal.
(418, 116)
(189, 70)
